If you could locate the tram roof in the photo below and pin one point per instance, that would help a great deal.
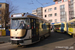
(27, 15)
(59, 23)
(73, 20)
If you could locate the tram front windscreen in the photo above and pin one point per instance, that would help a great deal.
(20, 23)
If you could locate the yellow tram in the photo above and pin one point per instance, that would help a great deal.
(71, 27)
(60, 27)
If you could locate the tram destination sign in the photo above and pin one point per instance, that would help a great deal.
(18, 15)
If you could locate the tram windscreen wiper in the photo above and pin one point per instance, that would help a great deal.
(17, 28)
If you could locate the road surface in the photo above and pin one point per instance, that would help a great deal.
(57, 41)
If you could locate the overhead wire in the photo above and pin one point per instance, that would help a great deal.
(39, 3)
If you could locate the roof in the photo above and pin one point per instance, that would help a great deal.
(59, 23)
(71, 20)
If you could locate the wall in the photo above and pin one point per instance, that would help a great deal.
(56, 11)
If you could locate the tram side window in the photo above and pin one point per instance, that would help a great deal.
(69, 25)
(48, 26)
(59, 25)
(74, 25)
(44, 26)
(55, 26)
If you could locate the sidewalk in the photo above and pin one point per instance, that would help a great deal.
(4, 39)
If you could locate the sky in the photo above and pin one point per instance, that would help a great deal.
(24, 6)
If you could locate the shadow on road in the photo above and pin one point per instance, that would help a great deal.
(51, 39)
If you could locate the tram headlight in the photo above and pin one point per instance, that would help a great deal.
(11, 37)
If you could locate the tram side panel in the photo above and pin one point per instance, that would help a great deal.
(44, 29)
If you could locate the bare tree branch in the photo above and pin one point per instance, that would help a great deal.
(12, 8)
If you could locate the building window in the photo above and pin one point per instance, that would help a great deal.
(50, 20)
(71, 12)
(55, 20)
(59, 1)
(55, 8)
(39, 11)
(62, 19)
(71, 5)
(62, 6)
(55, 14)
(65, 0)
(45, 15)
(50, 9)
(71, 0)
(62, 13)
(45, 10)
(50, 15)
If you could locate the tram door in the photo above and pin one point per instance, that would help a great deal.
(35, 30)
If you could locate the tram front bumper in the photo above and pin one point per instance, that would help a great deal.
(17, 41)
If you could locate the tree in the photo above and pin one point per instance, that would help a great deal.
(12, 8)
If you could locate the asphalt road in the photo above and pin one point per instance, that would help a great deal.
(55, 37)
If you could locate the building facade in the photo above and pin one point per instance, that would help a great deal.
(4, 14)
(34, 12)
(61, 11)
(38, 12)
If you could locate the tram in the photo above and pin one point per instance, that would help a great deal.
(71, 27)
(27, 29)
(60, 27)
